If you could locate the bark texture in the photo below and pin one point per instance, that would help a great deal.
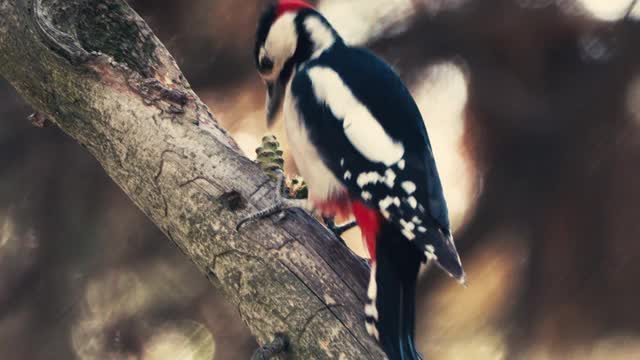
(95, 69)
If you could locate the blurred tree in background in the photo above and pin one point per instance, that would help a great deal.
(533, 107)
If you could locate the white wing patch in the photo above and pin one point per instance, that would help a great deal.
(321, 36)
(363, 131)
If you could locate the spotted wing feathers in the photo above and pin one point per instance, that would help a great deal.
(384, 160)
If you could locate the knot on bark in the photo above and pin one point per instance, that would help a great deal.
(39, 120)
(233, 201)
(279, 345)
(80, 31)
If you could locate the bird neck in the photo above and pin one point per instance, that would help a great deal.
(316, 36)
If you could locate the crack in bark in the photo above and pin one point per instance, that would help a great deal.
(357, 340)
(156, 178)
(214, 260)
(202, 178)
(360, 295)
(153, 92)
(281, 246)
(259, 187)
(313, 316)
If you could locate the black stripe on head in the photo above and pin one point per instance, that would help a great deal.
(264, 25)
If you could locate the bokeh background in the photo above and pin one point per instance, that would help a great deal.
(533, 107)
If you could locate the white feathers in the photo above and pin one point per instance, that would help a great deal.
(407, 225)
(452, 245)
(385, 203)
(280, 44)
(372, 330)
(407, 229)
(401, 164)
(372, 178)
(372, 290)
(368, 178)
(347, 175)
(390, 178)
(370, 309)
(361, 128)
(430, 252)
(321, 36)
(408, 234)
(409, 187)
(322, 183)
(366, 195)
(412, 202)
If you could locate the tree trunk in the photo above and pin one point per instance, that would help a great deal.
(95, 69)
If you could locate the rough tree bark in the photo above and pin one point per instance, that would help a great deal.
(95, 69)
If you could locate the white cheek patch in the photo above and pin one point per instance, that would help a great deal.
(363, 130)
(281, 43)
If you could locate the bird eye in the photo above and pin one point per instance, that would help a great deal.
(265, 66)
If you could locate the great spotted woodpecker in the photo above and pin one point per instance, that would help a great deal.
(360, 143)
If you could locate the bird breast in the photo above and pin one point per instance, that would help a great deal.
(325, 190)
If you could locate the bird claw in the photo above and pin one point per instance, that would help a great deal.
(340, 229)
(281, 204)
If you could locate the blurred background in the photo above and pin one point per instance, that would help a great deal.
(533, 107)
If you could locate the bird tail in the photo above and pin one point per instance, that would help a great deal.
(438, 245)
(390, 313)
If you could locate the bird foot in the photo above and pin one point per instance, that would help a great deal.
(338, 229)
(281, 203)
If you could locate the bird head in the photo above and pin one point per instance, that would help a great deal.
(285, 38)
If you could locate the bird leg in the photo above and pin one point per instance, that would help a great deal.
(338, 229)
(281, 203)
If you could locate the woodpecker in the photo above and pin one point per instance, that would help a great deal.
(359, 141)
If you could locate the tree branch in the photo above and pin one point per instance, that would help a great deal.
(97, 71)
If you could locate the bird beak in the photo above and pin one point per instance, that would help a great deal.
(275, 97)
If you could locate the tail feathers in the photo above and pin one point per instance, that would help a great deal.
(390, 314)
(439, 246)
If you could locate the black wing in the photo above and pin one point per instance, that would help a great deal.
(408, 191)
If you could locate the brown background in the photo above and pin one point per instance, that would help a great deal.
(541, 170)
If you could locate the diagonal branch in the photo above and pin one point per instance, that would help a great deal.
(95, 69)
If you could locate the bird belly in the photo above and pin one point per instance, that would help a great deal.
(325, 191)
